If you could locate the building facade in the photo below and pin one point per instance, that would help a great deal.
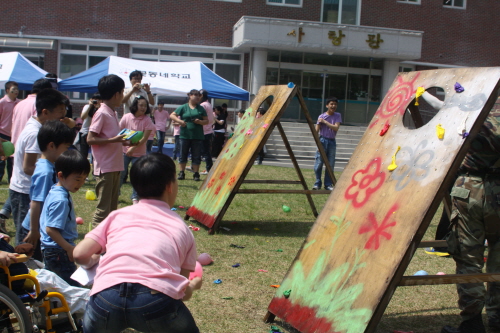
(351, 49)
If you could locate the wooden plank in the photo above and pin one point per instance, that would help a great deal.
(297, 169)
(270, 181)
(238, 155)
(362, 242)
(407, 281)
(269, 191)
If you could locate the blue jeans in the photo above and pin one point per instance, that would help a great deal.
(126, 161)
(330, 146)
(206, 150)
(149, 145)
(132, 305)
(177, 147)
(20, 204)
(160, 136)
(57, 261)
(195, 147)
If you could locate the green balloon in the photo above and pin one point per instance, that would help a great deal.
(286, 209)
(137, 137)
(8, 148)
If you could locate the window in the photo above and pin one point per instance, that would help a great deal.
(416, 2)
(291, 3)
(454, 3)
(76, 58)
(341, 11)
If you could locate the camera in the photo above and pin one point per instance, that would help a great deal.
(94, 102)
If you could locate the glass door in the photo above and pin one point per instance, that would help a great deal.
(317, 87)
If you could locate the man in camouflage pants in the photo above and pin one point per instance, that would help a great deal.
(476, 217)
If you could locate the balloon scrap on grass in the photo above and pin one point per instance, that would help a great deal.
(79, 220)
(286, 209)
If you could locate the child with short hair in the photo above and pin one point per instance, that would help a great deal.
(157, 270)
(54, 138)
(162, 123)
(50, 105)
(137, 120)
(107, 146)
(58, 220)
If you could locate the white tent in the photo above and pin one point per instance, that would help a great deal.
(166, 78)
(15, 67)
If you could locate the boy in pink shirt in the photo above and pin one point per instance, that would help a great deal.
(134, 282)
(162, 118)
(7, 104)
(107, 146)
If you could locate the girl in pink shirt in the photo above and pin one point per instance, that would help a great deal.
(137, 120)
(142, 279)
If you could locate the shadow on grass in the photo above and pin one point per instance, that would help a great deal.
(404, 322)
(420, 323)
(271, 228)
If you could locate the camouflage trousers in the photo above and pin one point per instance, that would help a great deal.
(476, 217)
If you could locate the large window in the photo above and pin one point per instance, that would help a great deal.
(76, 58)
(291, 3)
(341, 11)
(454, 3)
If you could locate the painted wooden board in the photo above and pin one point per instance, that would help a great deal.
(239, 152)
(360, 245)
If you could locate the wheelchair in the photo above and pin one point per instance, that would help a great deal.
(32, 312)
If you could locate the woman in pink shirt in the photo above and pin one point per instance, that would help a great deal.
(137, 120)
(142, 279)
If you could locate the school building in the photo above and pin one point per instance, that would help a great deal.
(351, 49)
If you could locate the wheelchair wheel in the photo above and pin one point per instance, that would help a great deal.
(13, 314)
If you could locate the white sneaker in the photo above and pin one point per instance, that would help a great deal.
(135, 201)
(204, 172)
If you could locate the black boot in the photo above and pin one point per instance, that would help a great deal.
(473, 325)
(181, 176)
(196, 177)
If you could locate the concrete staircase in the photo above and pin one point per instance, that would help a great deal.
(304, 147)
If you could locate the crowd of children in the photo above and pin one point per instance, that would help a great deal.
(46, 172)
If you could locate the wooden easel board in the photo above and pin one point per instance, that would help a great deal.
(238, 154)
(360, 245)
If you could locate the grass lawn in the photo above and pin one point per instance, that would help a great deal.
(257, 222)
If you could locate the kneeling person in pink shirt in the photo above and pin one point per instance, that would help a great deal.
(142, 287)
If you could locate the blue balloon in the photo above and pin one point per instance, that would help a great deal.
(422, 272)
(291, 85)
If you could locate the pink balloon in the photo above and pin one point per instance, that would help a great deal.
(198, 272)
(440, 273)
(79, 220)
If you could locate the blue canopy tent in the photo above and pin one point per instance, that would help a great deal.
(15, 67)
(165, 78)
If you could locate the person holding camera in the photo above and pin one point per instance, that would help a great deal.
(193, 117)
(137, 89)
(87, 115)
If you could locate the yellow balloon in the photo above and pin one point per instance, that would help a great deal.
(90, 195)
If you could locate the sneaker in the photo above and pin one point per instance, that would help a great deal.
(189, 168)
(135, 201)
(204, 172)
(196, 177)
(315, 188)
(181, 176)
(473, 325)
(329, 188)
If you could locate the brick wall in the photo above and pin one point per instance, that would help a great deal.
(451, 36)
(198, 22)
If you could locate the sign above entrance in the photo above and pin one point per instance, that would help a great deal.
(317, 37)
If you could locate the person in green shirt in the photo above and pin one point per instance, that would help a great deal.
(191, 116)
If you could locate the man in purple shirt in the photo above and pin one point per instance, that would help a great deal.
(327, 126)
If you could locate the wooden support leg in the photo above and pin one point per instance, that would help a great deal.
(269, 317)
(297, 167)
